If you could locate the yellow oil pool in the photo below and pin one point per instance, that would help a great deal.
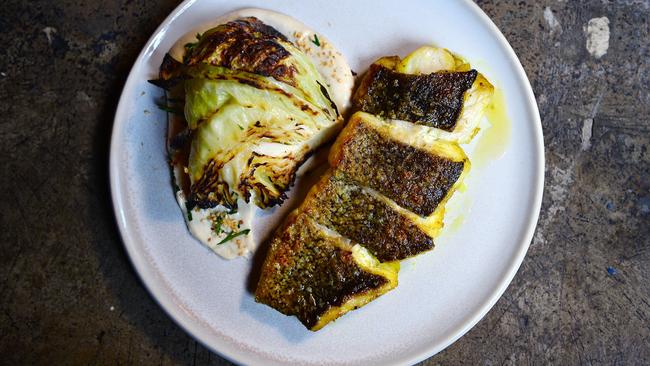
(494, 140)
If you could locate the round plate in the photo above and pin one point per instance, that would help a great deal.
(441, 294)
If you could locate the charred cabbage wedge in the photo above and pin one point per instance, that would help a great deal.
(255, 107)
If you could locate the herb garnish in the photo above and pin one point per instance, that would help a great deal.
(169, 109)
(315, 40)
(233, 234)
(189, 207)
(190, 46)
(217, 219)
(216, 225)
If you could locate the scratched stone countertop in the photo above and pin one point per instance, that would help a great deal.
(68, 294)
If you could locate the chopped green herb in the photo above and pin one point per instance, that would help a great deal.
(233, 235)
(169, 109)
(190, 46)
(189, 211)
(315, 40)
(216, 225)
(240, 127)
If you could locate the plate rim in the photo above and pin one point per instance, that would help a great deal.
(234, 354)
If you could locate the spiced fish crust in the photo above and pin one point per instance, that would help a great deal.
(392, 170)
(348, 211)
(317, 276)
(414, 178)
(363, 217)
(434, 100)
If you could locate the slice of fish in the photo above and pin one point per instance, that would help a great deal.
(365, 217)
(371, 203)
(433, 100)
(384, 196)
(369, 152)
(317, 275)
(453, 115)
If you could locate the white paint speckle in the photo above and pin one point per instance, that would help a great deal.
(4, 74)
(48, 33)
(588, 123)
(551, 20)
(597, 31)
(112, 308)
(561, 181)
(559, 190)
(587, 126)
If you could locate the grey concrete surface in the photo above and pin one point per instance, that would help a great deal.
(68, 294)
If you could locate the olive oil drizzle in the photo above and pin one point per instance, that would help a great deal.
(494, 140)
(491, 144)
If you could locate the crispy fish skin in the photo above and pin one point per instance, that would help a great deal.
(341, 248)
(391, 175)
(414, 178)
(434, 100)
(317, 277)
(361, 217)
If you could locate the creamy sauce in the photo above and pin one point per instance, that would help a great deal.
(494, 138)
(203, 226)
(337, 74)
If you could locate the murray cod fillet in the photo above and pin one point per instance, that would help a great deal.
(393, 167)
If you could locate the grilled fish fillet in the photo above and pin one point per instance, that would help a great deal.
(417, 178)
(317, 275)
(393, 167)
(451, 100)
(365, 217)
(433, 100)
(377, 197)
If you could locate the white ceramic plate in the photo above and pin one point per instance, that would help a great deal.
(441, 294)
